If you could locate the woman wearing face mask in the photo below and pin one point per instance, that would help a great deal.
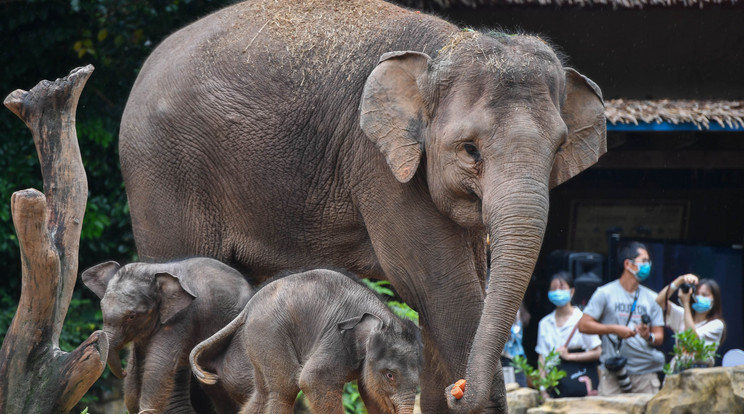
(701, 311)
(555, 329)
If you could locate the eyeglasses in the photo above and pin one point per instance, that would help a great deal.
(642, 262)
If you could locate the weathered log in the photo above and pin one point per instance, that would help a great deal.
(35, 375)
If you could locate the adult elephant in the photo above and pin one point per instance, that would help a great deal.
(285, 134)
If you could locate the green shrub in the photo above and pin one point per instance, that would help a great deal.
(544, 383)
(382, 288)
(690, 351)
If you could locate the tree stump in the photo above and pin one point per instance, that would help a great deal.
(35, 375)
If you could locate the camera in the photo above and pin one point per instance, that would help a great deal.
(645, 319)
(685, 288)
(616, 365)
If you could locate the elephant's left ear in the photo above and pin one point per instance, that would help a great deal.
(393, 113)
(583, 113)
(98, 277)
(356, 332)
(174, 296)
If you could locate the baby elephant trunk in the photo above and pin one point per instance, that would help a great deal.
(114, 359)
(404, 404)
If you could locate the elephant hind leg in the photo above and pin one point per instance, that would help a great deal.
(254, 405)
(257, 399)
(272, 403)
(278, 403)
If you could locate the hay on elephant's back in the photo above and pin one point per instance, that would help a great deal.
(316, 32)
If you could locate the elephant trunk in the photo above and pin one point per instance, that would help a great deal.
(404, 404)
(404, 409)
(114, 358)
(515, 212)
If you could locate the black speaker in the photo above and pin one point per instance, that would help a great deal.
(587, 270)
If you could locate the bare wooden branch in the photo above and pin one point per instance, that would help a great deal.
(35, 375)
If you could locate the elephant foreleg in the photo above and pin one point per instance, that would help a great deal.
(322, 381)
(165, 381)
(180, 398)
(447, 334)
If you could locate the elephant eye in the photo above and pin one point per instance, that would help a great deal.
(389, 375)
(472, 150)
(131, 316)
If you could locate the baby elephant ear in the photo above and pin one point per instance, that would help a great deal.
(174, 296)
(393, 113)
(357, 330)
(97, 277)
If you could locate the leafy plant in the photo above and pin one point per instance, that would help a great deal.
(552, 375)
(382, 287)
(352, 400)
(690, 351)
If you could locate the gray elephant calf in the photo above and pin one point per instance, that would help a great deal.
(315, 331)
(165, 310)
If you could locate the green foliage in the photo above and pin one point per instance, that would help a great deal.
(353, 403)
(45, 39)
(689, 351)
(552, 375)
(8, 306)
(382, 288)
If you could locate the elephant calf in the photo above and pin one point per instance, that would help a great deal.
(315, 331)
(165, 310)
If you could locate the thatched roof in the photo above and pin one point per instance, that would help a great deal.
(446, 4)
(728, 114)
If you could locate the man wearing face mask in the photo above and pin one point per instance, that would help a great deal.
(616, 312)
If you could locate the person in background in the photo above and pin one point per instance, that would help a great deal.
(555, 328)
(617, 311)
(703, 314)
(514, 348)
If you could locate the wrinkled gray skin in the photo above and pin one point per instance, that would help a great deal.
(354, 134)
(164, 310)
(316, 331)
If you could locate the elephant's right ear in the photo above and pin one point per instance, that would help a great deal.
(356, 332)
(174, 296)
(393, 112)
(583, 112)
(97, 277)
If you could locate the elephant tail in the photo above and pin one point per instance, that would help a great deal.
(213, 346)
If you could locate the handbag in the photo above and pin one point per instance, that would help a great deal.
(581, 378)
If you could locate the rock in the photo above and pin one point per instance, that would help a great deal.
(701, 390)
(522, 399)
(512, 386)
(616, 404)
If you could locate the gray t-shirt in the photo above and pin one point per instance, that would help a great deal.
(610, 305)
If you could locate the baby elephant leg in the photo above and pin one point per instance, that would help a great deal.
(280, 404)
(257, 401)
(322, 387)
(270, 394)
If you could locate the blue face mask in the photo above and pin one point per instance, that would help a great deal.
(702, 304)
(644, 270)
(559, 297)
